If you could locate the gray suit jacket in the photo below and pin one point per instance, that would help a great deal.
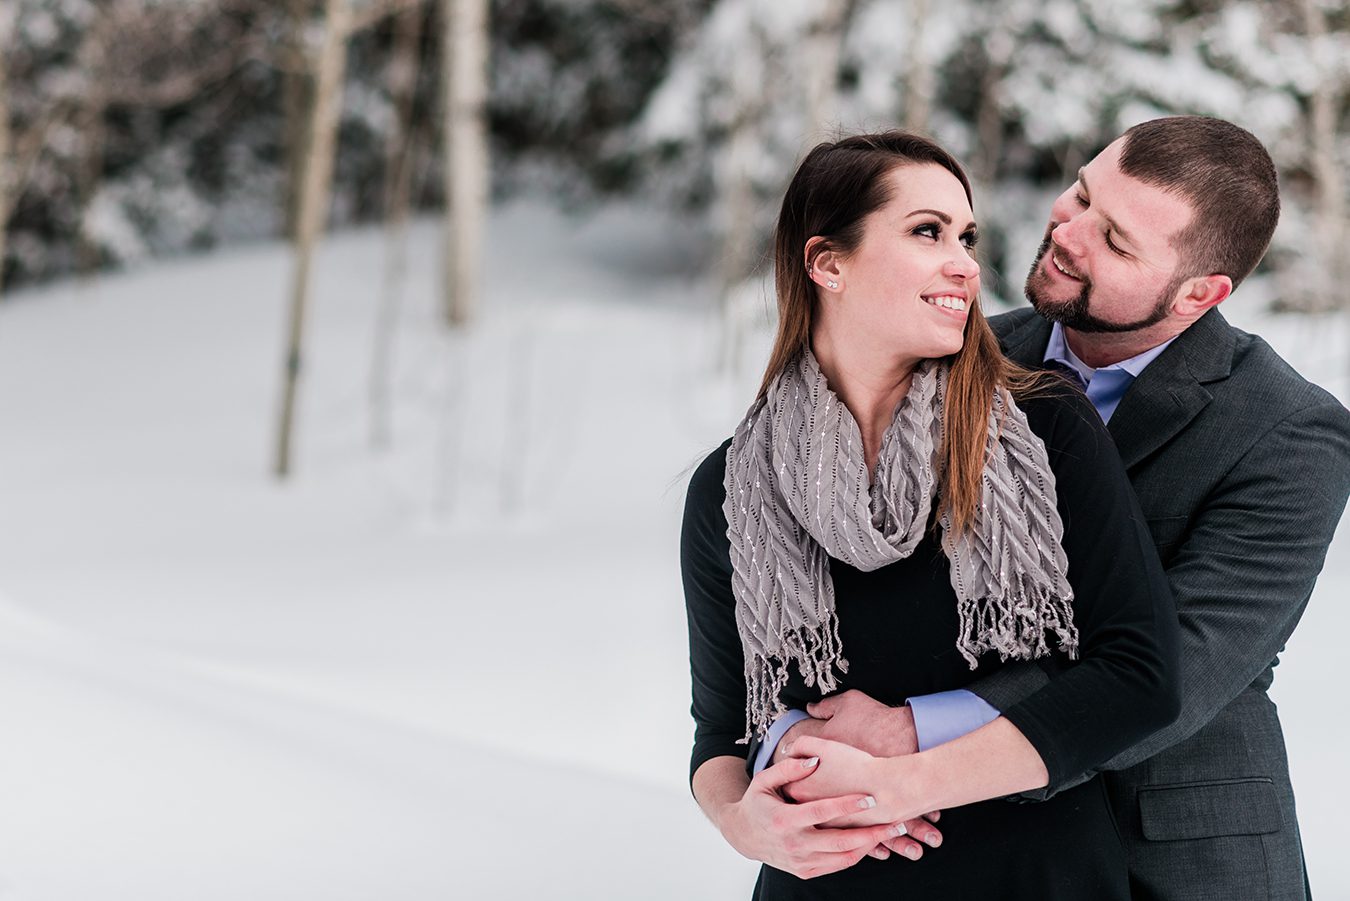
(1242, 468)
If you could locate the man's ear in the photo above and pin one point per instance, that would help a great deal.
(822, 265)
(1197, 295)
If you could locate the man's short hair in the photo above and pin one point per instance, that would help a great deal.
(1227, 177)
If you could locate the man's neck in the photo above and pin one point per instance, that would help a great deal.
(1098, 349)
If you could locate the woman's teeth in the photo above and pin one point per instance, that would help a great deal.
(949, 301)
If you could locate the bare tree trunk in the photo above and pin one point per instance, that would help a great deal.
(738, 192)
(295, 108)
(515, 458)
(90, 169)
(1329, 206)
(403, 68)
(824, 38)
(464, 93)
(7, 180)
(918, 71)
(998, 49)
(313, 208)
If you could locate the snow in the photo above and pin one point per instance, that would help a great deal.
(382, 679)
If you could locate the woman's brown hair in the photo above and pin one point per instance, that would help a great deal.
(835, 188)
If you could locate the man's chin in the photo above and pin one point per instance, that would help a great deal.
(1049, 307)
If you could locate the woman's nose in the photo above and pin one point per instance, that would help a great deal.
(961, 265)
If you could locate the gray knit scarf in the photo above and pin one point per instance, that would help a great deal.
(798, 494)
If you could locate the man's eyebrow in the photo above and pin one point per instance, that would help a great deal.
(1115, 226)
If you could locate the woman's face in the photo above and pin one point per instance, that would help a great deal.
(907, 288)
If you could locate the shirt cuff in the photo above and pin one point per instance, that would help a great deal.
(776, 731)
(941, 717)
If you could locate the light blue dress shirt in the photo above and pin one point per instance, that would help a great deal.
(945, 715)
(1106, 386)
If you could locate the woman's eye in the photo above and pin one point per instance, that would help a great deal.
(928, 230)
(970, 239)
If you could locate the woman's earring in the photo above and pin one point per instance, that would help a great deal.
(832, 284)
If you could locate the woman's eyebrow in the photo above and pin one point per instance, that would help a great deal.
(946, 220)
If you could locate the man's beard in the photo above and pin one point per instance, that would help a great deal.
(1076, 313)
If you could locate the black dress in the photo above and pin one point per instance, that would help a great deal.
(898, 625)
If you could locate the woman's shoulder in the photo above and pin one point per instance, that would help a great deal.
(705, 523)
(1062, 416)
(707, 486)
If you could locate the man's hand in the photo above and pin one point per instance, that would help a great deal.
(856, 719)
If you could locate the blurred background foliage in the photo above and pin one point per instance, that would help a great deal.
(141, 128)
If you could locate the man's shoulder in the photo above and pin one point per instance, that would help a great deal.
(1263, 385)
(1004, 324)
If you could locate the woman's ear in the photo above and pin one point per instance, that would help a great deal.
(822, 265)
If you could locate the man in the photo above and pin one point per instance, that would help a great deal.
(1242, 469)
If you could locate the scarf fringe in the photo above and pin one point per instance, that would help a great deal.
(1015, 625)
(818, 652)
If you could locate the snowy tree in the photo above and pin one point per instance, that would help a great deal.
(1025, 92)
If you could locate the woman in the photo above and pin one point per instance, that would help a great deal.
(899, 502)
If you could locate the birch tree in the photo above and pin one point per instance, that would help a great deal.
(919, 77)
(340, 22)
(739, 203)
(296, 89)
(464, 46)
(312, 205)
(821, 51)
(6, 166)
(403, 67)
(1327, 99)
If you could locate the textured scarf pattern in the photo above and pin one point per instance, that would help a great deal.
(797, 493)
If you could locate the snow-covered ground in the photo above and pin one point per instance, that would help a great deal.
(454, 668)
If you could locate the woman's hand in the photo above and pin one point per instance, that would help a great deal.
(789, 837)
(843, 769)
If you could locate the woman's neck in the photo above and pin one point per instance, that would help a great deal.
(870, 385)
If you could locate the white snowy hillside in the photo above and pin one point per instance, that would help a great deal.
(451, 669)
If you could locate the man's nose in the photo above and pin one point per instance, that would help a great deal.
(1068, 235)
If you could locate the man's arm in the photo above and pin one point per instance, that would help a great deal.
(1244, 574)
(1241, 578)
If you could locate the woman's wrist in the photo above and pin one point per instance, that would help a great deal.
(911, 786)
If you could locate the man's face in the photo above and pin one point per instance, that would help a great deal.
(1107, 263)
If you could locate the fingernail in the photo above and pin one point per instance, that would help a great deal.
(867, 803)
(881, 854)
(898, 830)
(787, 748)
(912, 852)
(932, 840)
(810, 762)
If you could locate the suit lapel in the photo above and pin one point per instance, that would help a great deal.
(1025, 344)
(1171, 391)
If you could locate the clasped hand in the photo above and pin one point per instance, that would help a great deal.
(839, 816)
(860, 722)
